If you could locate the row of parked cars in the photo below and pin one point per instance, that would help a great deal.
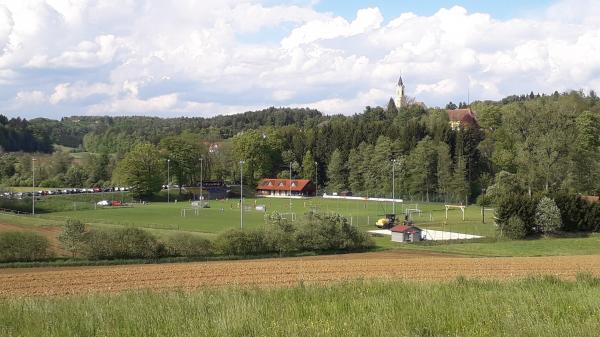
(20, 195)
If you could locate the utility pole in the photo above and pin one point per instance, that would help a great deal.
(394, 186)
(316, 179)
(168, 180)
(33, 186)
(201, 190)
(241, 194)
(483, 206)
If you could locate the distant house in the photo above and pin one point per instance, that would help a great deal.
(403, 233)
(283, 187)
(461, 117)
(590, 198)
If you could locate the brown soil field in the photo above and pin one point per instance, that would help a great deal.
(285, 272)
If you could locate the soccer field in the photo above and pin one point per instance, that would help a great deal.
(225, 214)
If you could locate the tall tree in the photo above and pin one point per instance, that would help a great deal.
(308, 166)
(142, 170)
(336, 172)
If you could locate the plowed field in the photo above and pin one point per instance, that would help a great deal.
(284, 272)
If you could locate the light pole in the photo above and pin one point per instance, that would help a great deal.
(33, 186)
(290, 187)
(316, 179)
(394, 186)
(483, 206)
(241, 194)
(201, 195)
(168, 180)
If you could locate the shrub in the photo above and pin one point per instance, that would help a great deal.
(182, 244)
(578, 214)
(514, 228)
(519, 205)
(122, 243)
(71, 237)
(547, 216)
(331, 233)
(23, 246)
(242, 242)
(280, 236)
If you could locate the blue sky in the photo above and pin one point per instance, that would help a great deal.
(502, 9)
(203, 58)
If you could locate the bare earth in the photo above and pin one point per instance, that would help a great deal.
(285, 272)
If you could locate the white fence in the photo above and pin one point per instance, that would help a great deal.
(327, 196)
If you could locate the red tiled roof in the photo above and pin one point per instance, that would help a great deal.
(405, 229)
(462, 115)
(590, 198)
(297, 185)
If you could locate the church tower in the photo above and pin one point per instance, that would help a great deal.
(400, 99)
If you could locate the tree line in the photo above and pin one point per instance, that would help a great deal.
(522, 144)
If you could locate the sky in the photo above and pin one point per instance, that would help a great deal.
(203, 58)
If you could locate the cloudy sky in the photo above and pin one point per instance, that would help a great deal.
(203, 58)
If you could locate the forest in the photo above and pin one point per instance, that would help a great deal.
(528, 144)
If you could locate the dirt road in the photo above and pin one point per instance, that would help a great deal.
(285, 271)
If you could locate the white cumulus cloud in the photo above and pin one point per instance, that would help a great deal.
(219, 57)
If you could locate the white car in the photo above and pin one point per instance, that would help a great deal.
(103, 203)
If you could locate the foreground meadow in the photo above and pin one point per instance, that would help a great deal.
(530, 307)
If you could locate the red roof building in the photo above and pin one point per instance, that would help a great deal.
(461, 117)
(403, 233)
(590, 198)
(283, 187)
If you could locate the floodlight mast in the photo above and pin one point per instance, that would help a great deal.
(241, 194)
(201, 195)
(290, 187)
(316, 179)
(168, 180)
(33, 186)
(394, 186)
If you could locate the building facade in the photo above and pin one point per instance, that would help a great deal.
(285, 188)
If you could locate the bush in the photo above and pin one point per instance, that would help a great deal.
(182, 244)
(71, 237)
(522, 206)
(280, 237)
(23, 247)
(122, 243)
(547, 216)
(514, 228)
(331, 233)
(578, 214)
(242, 242)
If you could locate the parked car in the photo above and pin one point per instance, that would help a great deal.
(104, 203)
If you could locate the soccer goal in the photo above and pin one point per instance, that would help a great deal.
(288, 216)
(188, 211)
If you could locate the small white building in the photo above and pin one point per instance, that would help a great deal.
(403, 233)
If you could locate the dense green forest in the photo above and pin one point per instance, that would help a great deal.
(522, 144)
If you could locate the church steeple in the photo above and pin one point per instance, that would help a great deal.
(400, 100)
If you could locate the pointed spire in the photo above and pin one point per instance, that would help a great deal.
(400, 81)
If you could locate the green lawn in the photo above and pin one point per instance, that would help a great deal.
(535, 247)
(224, 215)
(532, 307)
(163, 218)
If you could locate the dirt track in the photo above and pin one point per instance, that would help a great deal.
(283, 272)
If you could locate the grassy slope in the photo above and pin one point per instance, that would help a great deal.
(534, 307)
(540, 247)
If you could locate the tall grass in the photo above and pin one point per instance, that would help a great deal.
(533, 307)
